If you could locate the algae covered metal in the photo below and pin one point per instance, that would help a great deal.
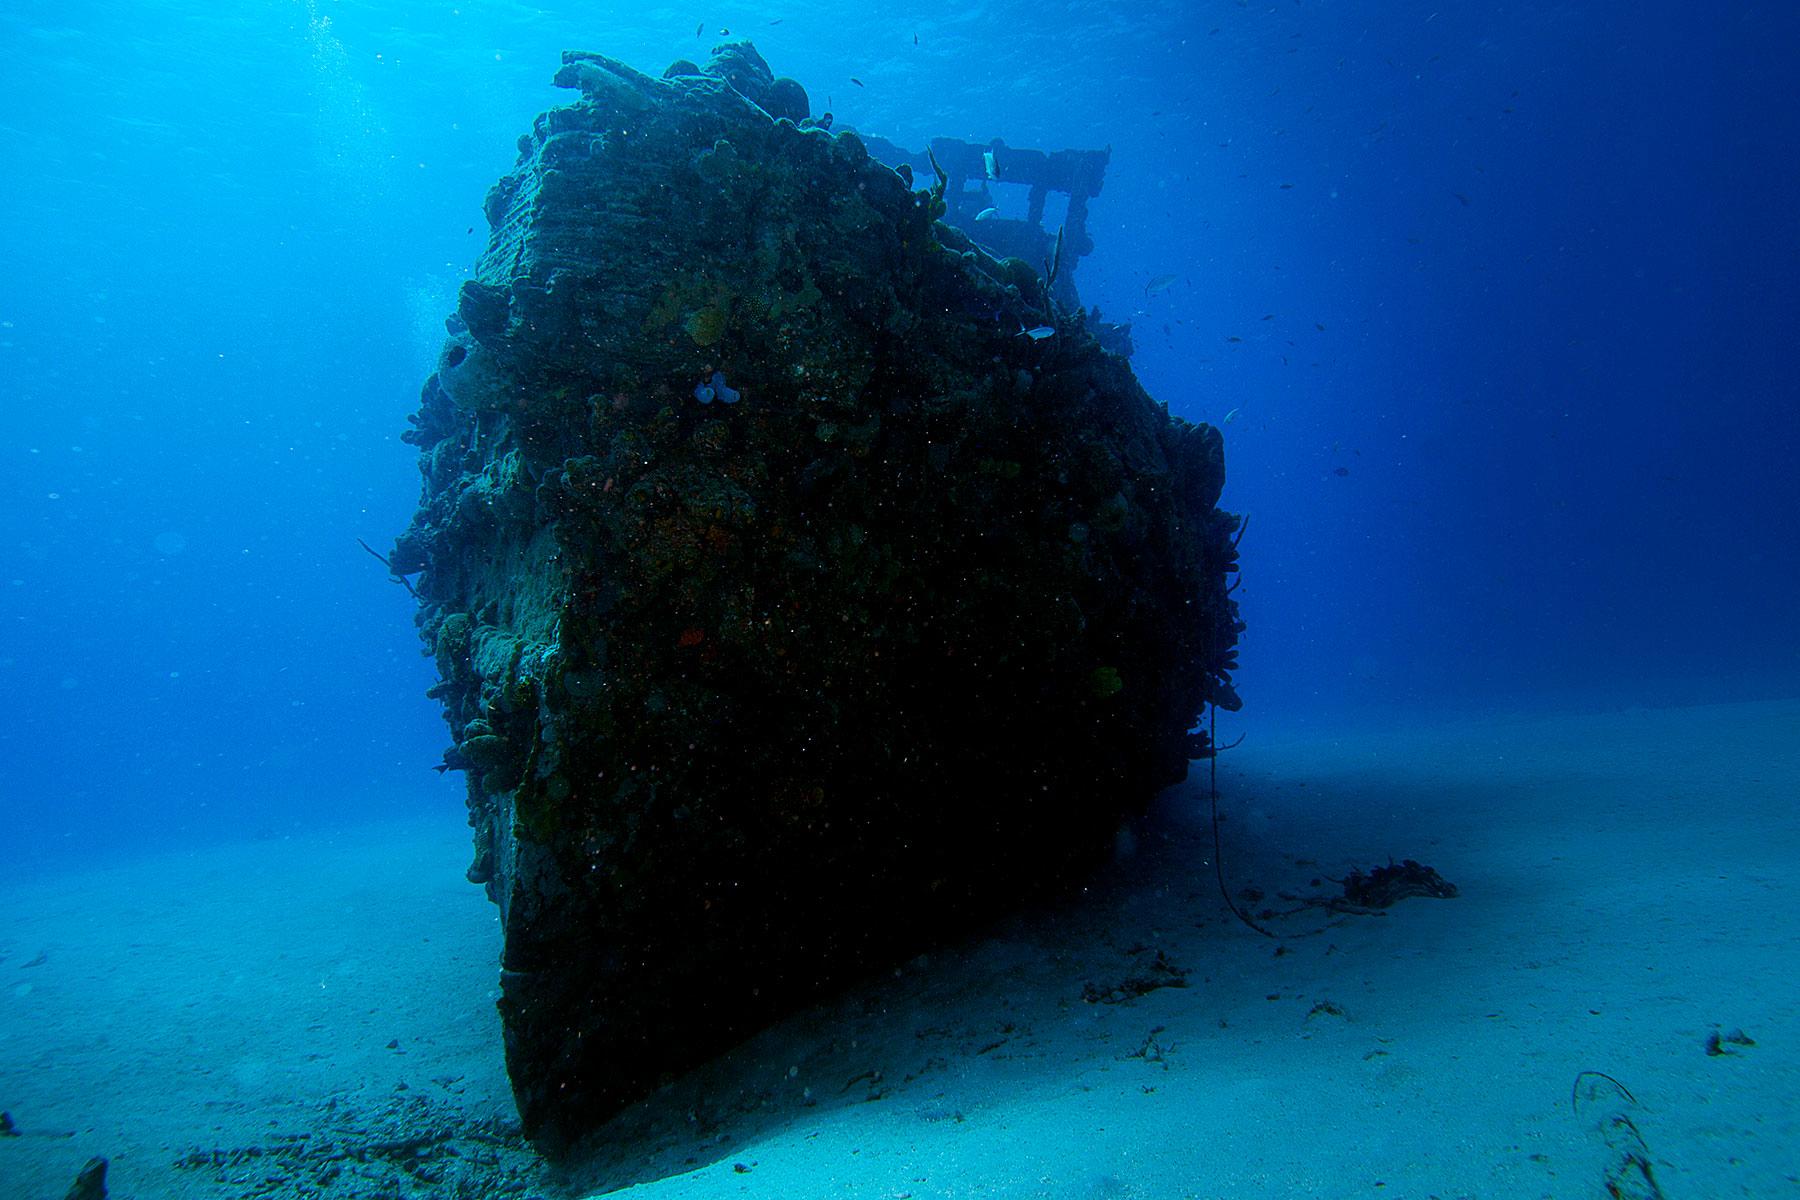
(803, 581)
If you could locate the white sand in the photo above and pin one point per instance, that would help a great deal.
(1630, 884)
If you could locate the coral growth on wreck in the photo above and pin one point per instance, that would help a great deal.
(750, 695)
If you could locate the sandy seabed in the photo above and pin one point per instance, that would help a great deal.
(314, 1017)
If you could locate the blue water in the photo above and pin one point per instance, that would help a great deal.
(1515, 412)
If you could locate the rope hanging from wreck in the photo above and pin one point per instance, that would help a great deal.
(1212, 741)
(394, 575)
(1218, 852)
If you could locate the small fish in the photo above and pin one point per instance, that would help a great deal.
(857, 82)
(700, 29)
(1318, 327)
(1341, 472)
(1464, 199)
(1234, 338)
(1287, 187)
(1231, 416)
(1268, 316)
(777, 20)
(987, 214)
(1038, 333)
(1159, 285)
(915, 39)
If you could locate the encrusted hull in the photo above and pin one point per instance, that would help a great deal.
(753, 695)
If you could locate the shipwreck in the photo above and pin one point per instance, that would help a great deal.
(804, 580)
